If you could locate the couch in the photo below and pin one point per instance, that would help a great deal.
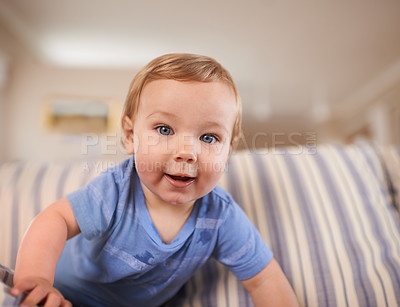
(329, 213)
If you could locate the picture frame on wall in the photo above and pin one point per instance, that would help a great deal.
(76, 115)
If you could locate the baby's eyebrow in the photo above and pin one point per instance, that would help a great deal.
(217, 125)
(164, 113)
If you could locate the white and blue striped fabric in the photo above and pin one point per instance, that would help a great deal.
(328, 216)
(391, 161)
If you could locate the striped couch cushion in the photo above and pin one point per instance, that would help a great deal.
(391, 160)
(326, 215)
(27, 188)
(328, 218)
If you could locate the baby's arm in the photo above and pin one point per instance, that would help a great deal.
(39, 252)
(270, 287)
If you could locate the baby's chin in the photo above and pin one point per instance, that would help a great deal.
(179, 201)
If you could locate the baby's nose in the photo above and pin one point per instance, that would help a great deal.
(186, 151)
(186, 157)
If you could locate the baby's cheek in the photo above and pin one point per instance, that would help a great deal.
(147, 166)
(221, 159)
(136, 142)
(149, 144)
(219, 167)
(213, 170)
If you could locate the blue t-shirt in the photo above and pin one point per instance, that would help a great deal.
(119, 258)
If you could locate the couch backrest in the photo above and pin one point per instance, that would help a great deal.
(328, 218)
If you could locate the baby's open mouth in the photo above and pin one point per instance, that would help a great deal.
(180, 178)
(180, 181)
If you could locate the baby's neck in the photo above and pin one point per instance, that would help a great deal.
(169, 220)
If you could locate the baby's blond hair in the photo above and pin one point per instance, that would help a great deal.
(182, 67)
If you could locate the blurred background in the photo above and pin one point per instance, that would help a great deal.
(309, 72)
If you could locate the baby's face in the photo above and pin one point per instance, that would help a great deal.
(182, 138)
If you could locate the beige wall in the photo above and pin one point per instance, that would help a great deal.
(2, 128)
(1, 122)
(23, 136)
(30, 82)
(9, 49)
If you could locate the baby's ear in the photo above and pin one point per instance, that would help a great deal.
(127, 127)
(233, 144)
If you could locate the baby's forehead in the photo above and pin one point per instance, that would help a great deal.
(208, 101)
(172, 91)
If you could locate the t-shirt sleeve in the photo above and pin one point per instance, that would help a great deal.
(240, 247)
(94, 205)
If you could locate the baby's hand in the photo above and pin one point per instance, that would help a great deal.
(39, 291)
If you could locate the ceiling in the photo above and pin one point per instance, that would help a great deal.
(309, 58)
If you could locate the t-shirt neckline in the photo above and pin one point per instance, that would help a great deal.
(146, 221)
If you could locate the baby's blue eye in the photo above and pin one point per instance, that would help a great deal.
(208, 138)
(164, 130)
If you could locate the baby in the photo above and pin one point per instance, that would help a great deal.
(140, 230)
